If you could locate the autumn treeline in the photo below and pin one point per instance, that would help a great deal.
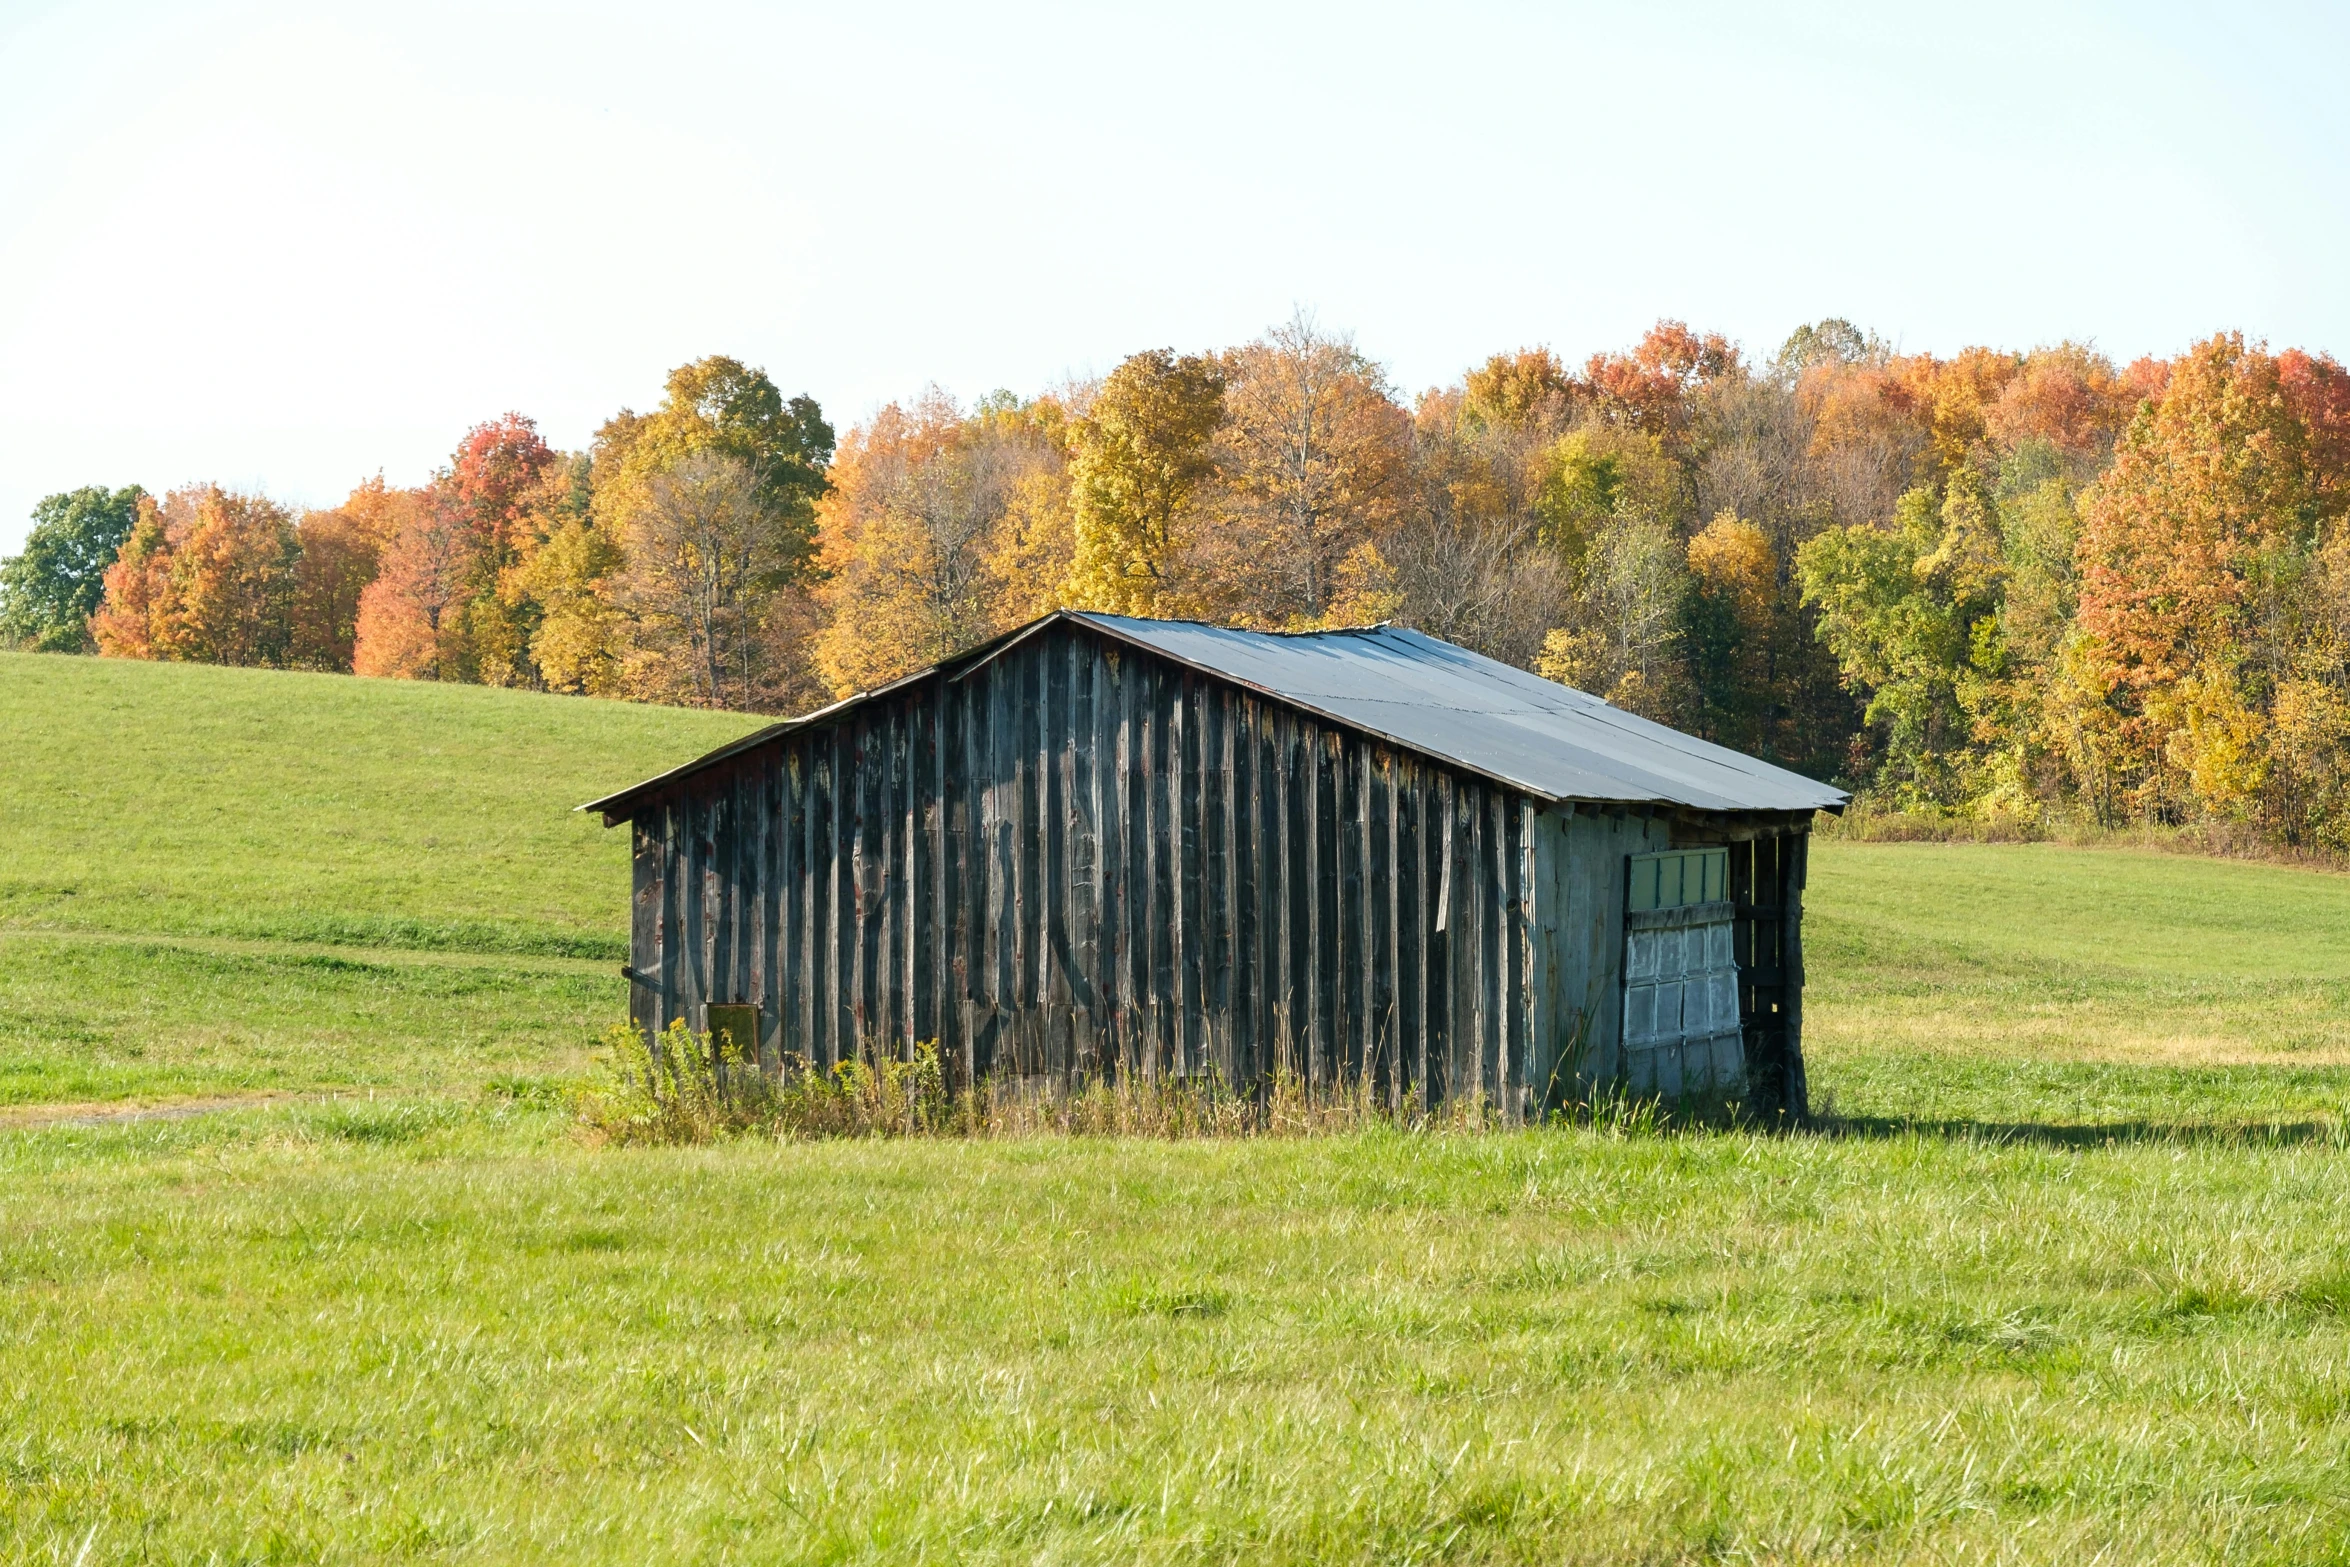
(1995, 585)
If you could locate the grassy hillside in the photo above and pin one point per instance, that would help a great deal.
(218, 880)
(215, 880)
(2066, 1281)
(236, 802)
(2030, 983)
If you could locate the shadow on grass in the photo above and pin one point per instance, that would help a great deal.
(2091, 1134)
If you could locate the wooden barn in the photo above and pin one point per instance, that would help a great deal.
(1104, 846)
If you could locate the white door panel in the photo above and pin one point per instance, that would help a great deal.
(1681, 1030)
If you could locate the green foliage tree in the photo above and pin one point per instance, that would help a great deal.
(49, 592)
(1912, 613)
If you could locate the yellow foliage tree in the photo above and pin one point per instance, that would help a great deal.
(941, 529)
(1144, 451)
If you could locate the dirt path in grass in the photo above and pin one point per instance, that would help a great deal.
(19, 1118)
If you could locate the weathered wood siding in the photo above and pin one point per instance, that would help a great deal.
(1076, 859)
(1766, 887)
(1581, 853)
(1580, 893)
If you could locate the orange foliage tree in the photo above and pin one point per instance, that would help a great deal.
(2211, 490)
(208, 577)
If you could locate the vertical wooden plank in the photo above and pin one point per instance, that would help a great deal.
(1228, 954)
(1317, 996)
(1770, 938)
(1796, 1093)
(1248, 892)
(966, 885)
(873, 841)
(1329, 839)
(1273, 895)
(906, 895)
(806, 958)
(1142, 675)
(793, 766)
(702, 923)
(1363, 966)
(1109, 707)
(815, 866)
(1351, 1021)
(1019, 872)
(1448, 931)
(1133, 834)
(1188, 798)
(848, 921)
(937, 917)
(1036, 848)
(1494, 874)
(712, 842)
(1215, 865)
(1378, 974)
(767, 941)
(1741, 893)
(1287, 859)
(644, 923)
(1006, 869)
(853, 789)
(881, 834)
(987, 867)
(758, 952)
(1106, 878)
(1467, 915)
(666, 924)
(1466, 920)
(1518, 819)
(1176, 868)
(1084, 884)
(1056, 897)
(1165, 872)
(849, 783)
(1412, 898)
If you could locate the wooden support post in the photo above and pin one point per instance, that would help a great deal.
(1794, 858)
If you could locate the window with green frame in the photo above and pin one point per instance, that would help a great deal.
(1678, 878)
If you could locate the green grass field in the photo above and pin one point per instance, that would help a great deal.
(2065, 1280)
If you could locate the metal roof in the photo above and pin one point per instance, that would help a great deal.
(1549, 740)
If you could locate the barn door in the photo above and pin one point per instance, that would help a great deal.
(1681, 1032)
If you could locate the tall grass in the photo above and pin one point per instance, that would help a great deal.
(683, 1087)
(1869, 822)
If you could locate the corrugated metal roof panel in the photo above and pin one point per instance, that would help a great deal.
(1428, 696)
(1461, 706)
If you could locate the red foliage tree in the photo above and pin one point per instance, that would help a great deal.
(494, 471)
(2317, 389)
(436, 592)
(1650, 386)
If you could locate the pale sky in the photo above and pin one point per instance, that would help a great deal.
(287, 245)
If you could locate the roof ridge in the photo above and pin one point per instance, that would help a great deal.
(1458, 707)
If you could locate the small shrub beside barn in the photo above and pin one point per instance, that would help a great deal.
(1102, 847)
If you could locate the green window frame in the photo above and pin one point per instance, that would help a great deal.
(1678, 878)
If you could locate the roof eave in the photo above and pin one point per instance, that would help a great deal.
(615, 805)
(618, 806)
